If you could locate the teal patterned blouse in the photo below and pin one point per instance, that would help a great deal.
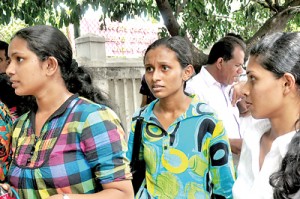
(190, 159)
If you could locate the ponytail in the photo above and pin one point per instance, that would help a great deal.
(286, 181)
(79, 80)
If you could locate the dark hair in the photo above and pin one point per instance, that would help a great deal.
(9, 98)
(46, 41)
(4, 46)
(235, 35)
(178, 45)
(224, 48)
(279, 53)
(286, 181)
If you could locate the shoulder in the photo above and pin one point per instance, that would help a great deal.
(87, 108)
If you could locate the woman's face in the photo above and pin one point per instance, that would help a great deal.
(163, 73)
(263, 91)
(26, 71)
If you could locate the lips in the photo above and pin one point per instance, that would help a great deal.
(157, 88)
(14, 83)
(248, 104)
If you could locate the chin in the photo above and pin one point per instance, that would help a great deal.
(257, 115)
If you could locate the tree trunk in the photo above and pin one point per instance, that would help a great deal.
(276, 23)
(170, 21)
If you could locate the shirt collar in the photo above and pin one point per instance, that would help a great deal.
(208, 78)
(195, 109)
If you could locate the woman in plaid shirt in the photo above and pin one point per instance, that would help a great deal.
(66, 145)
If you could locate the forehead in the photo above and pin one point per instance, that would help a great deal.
(160, 53)
(17, 45)
(254, 65)
(238, 54)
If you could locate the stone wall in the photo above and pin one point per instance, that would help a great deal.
(118, 77)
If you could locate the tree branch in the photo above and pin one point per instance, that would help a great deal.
(271, 6)
(170, 21)
(292, 3)
(180, 7)
(276, 23)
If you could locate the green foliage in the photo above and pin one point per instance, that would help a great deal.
(7, 31)
(204, 21)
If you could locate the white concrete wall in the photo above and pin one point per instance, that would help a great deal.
(119, 77)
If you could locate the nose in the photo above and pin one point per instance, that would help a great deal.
(10, 69)
(156, 75)
(240, 70)
(245, 89)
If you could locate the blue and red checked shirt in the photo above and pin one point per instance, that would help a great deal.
(81, 146)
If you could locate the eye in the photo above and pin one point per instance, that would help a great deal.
(19, 59)
(165, 68)
(252, 78)
(148, 69)
(239, 65)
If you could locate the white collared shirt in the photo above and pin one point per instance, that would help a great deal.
(253, 182)
(211, 92)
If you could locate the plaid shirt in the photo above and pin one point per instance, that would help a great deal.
(5, 138)
(81, 146)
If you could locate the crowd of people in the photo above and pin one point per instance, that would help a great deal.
(214, 134)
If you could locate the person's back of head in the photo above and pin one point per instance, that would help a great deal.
(4, 46)
(10, 99)
(224, 48)
(3, 56)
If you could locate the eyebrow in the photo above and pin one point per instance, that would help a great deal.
(15, 53)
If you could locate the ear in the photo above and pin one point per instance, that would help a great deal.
(289, 83)
(51, 66)
(189, 71)
(219, 63)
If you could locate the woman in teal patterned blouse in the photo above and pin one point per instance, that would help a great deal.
(184, 145)
(66, 145)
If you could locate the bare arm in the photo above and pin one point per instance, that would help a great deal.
(236, 145)
(121, 189)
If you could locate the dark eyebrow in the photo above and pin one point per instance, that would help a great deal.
(247, 72)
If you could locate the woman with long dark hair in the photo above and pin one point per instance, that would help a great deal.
(272, 91)
(69, 143)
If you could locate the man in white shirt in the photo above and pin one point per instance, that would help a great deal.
(213, 84)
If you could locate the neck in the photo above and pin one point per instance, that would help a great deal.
(285, 123)
(50, 101)
(213, 70)
(177, 104)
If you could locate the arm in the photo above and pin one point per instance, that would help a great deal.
(221, 165)
(120, 189)
(236, 91)
(236, 145)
